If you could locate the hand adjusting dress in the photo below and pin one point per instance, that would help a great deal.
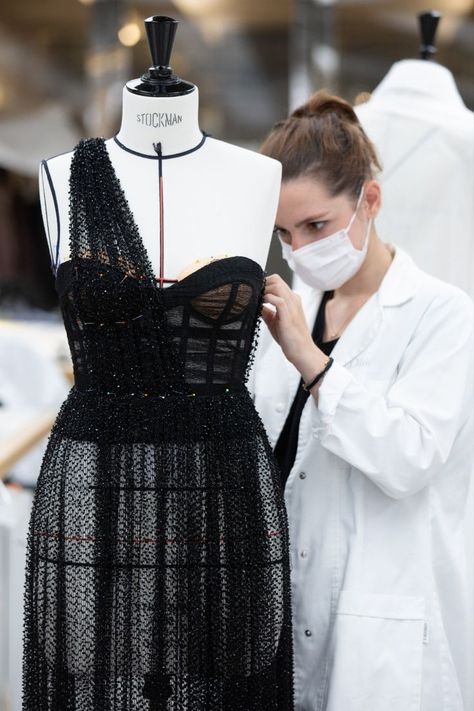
(157, 573)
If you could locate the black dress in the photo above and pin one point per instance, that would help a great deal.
(286, 446)
(157, 573)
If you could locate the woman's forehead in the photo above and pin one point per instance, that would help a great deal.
(306, 196)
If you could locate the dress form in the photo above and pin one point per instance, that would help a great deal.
(424, 133)
(217, 199)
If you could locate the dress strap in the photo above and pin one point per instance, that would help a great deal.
(103, 232)
(102, 227)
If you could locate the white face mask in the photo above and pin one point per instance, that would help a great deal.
(329, 262)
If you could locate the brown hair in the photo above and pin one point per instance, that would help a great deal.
(324, 139)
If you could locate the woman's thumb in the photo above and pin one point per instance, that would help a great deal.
(267, 314)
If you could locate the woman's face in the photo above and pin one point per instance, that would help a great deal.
(307, 212)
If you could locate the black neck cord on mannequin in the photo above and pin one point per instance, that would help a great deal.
(163, 157)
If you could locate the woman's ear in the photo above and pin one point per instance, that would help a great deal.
(373, 198)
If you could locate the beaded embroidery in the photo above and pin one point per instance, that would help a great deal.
(157, 574)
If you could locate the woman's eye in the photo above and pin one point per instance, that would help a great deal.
(317, 225)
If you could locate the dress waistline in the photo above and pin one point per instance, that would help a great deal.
(216, 389)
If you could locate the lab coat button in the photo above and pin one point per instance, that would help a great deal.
(279, 407)
(308, 633)
(304, 553)
(302, 475)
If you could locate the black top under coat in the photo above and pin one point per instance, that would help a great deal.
(286, 446)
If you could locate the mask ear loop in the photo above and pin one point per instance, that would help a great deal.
(359, 200)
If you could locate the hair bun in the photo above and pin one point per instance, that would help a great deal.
(324, 139)
(321, 103)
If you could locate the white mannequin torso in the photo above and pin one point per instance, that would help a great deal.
(218, 200)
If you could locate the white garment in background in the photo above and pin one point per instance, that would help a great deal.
(376, 498)
(425, 137)
(30, 382)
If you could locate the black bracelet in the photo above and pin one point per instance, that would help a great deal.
(319, 375)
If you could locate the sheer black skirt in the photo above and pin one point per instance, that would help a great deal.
(157, 560)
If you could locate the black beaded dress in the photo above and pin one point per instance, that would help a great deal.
(157, 574)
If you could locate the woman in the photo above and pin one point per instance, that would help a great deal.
(375, 453)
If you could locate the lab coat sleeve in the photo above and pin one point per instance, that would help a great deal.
(401, 439)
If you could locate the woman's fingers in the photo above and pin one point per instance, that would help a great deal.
(278, 293)
(275, 284)
(278, 301)
(269, 316)
(287, 323)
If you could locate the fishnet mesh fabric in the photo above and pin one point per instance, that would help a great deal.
(157, 575)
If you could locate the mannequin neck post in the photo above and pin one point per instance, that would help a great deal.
(171, 120)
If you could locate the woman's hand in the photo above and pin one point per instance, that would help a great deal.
(288, 323)
(289, 328)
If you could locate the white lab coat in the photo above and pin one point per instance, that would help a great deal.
(376, 497)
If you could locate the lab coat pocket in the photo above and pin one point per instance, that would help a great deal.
(375, 660)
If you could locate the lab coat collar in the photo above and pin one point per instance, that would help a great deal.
(400, 280)
(420, 77)
(397, 286)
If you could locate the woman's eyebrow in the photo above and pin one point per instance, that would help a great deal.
(313, 218)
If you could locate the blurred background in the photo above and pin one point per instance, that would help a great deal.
(63, 65)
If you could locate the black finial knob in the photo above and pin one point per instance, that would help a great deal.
(160, 80)
(161, 31)
(428, 22)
